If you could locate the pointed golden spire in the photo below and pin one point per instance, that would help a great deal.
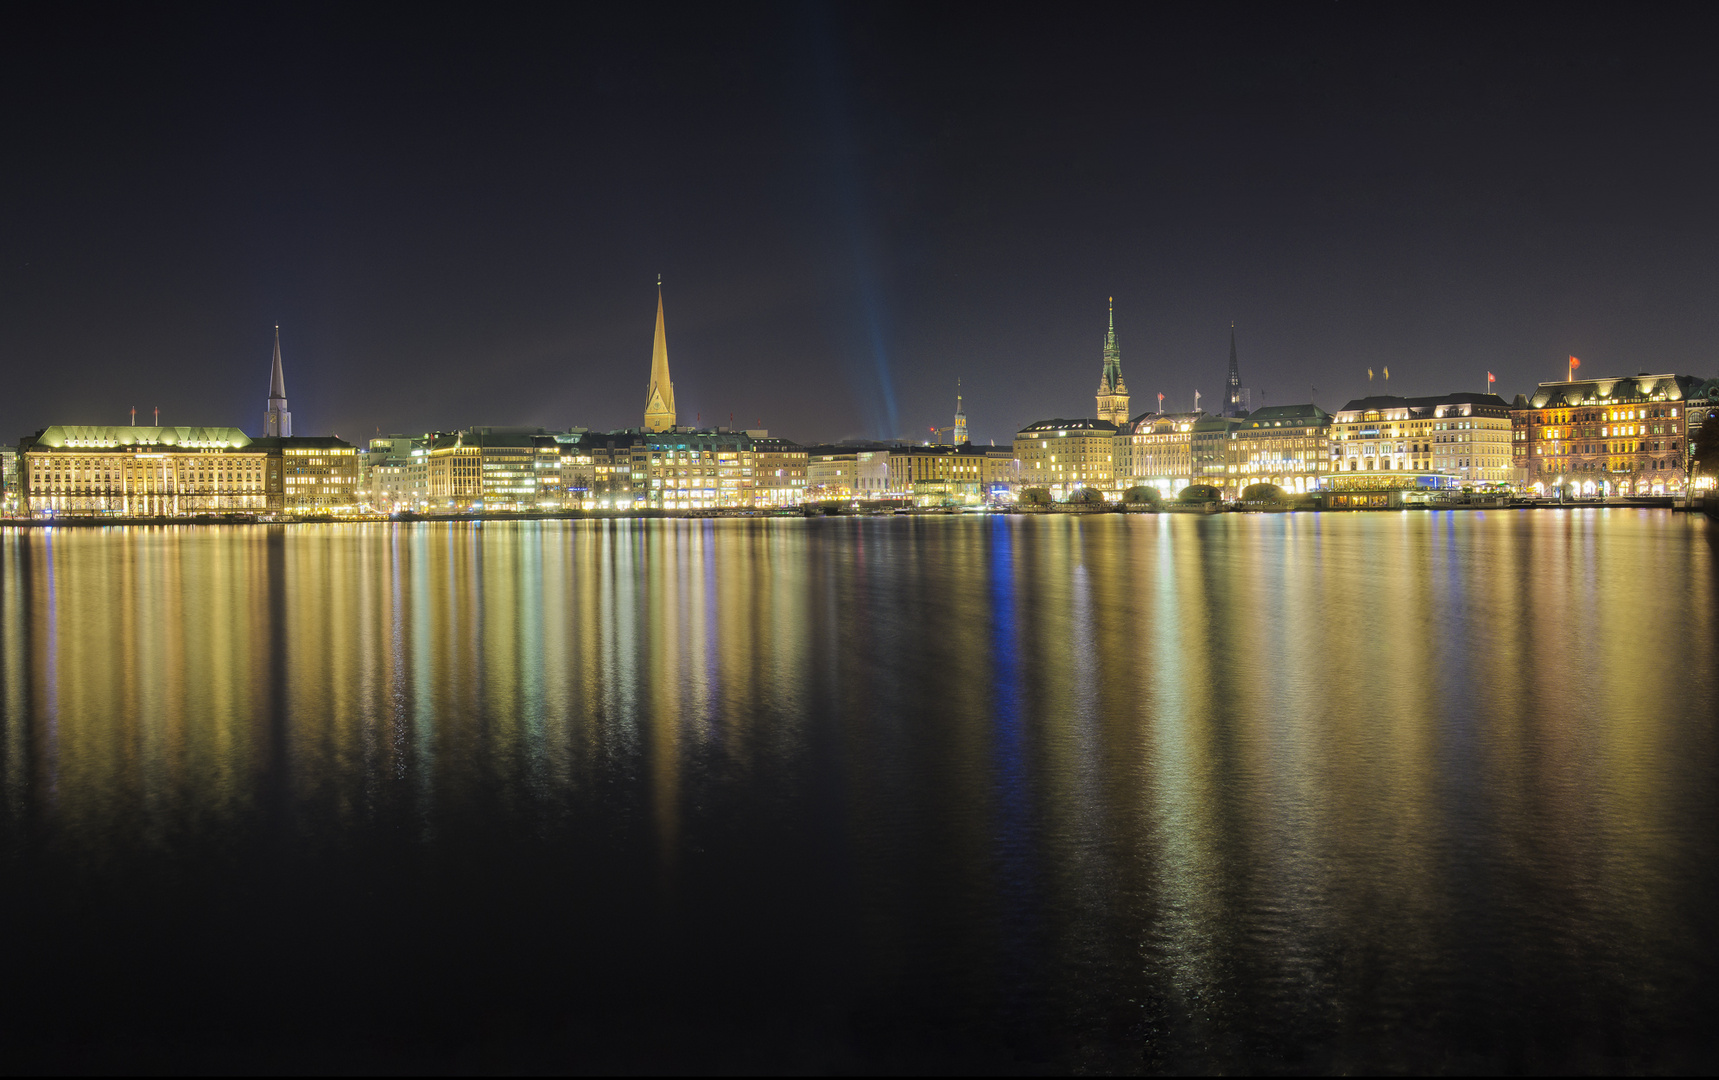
(659, 395)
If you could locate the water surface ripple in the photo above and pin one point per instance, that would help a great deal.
(1427, 792)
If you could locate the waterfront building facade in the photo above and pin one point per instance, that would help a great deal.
(778, 472)
(100, 470)
(1702, 400)
(1467, 436)
(697, 470)
(396, 474)
(858, 470)
(1210, 450)
(310, 474)
(936, 475)
(1286, 445)
(1613, 436)
(8, 480)
(487, 469)
(1112, 390)
(1064, 456)
(1157, 450)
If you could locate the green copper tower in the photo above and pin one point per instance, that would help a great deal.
(1112, 391)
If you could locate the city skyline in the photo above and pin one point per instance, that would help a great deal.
(848, 235)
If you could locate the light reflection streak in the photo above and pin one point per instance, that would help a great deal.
(1342, 756)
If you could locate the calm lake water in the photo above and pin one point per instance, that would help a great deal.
(1428, 791)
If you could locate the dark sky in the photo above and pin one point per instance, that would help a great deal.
(458, 217)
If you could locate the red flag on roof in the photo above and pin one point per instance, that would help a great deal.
(1574, 363)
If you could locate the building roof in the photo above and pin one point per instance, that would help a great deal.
(1218, 424)
(1096, 427)
(1638, 387)
(302, 442)
(1286, 416)
(1177, 416)
(1387, 403)
(124, 435)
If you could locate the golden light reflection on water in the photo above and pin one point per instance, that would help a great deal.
(1267, 773)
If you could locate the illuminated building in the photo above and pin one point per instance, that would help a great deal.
(1064, 456)
(309, 474)
(1467, 436)
(941, 474)
(1703, 400)
(697, 470)
(682, 469)
(1157, 450)
(778, 472)
(848, 471)
(1625, 435)
(8, 480)
(960, 423)
(1112, 391)
(659, 394)
(493, 470)
(277, 421)
(1286, 445)
(396, 474)
(1210, 447)
(140, 471)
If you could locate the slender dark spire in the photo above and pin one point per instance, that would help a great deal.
(277, 421)
(277, 379)
(1233, 401)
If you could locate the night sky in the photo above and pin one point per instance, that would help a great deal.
(458, 217)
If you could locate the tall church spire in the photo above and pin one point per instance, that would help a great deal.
(1112, 391)
(659, 395)
(277, 421)
(1234, 405)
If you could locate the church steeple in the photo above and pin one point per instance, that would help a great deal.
(1234, 403)
(1112, 391)
(277, 421)
(659, 395)
(960, 417)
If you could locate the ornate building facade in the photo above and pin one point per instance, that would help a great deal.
(1626, 435)
(95, 470)
(1463, 436)
(1157, 450)
(1286, 445)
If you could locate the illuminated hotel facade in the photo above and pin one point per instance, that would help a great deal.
(1466, 437)
(1157, 450)
(1064, 456)
(310, 474)
(1285, 445)
(1626, 435)
(99, 470)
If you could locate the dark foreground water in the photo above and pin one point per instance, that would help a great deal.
(1427, 792)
